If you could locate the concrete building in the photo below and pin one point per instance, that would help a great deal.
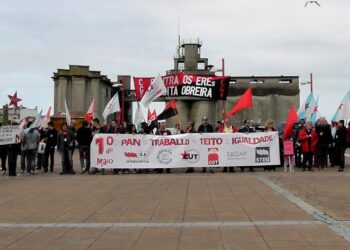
(272, 95)
(79, 86)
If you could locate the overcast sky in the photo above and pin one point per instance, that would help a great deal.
(256, 37)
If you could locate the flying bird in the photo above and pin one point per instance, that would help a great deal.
(315, 2)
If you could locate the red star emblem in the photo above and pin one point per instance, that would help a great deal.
(14, 100)
(185, 155)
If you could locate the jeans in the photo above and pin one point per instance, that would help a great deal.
(49, 152)
(30, 156)
(40, 160)
(67, 161)
(84, 152)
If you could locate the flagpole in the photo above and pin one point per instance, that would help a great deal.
(177, 115)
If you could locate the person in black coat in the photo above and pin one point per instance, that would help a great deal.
(3, 157)
(205, 127)
(297, 146)
(325, 141)
(340, 144)
(84, 138)
(246, 129)
(51, 142)
(12, 152)
(65, 140)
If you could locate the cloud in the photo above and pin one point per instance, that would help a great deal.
(270, 37)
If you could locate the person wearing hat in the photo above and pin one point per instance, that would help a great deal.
(205, 127)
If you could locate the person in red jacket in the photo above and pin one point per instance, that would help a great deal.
(308, 139)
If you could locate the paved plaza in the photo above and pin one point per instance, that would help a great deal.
(302, 210)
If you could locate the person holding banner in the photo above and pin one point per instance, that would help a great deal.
(3, 157)
(12, 152)
(84, 138)
(97, 129)
(308, 139)
(246, 129)
(269, 128)
(64, 146)
(189, 130)
(205, 127)
(162, 131)
(113, 129)
(227, 128)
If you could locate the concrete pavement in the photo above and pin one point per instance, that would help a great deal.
(172, 211)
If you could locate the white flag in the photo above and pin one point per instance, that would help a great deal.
(112, 106)
(138, 117)
(36, 123)
(343, 111)
(156, 89)
(46, 119)
(68, 118)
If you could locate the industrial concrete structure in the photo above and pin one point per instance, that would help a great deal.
(79, 86)
(272, 95)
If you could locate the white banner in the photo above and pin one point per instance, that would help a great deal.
(10, 135)
(185, 150)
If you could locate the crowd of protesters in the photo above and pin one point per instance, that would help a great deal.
(319, 146)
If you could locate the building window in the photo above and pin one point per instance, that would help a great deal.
(181, 66)
(232, 82)
(201, 65)
(283, 81)
(255, 81)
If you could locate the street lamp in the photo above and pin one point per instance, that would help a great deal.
(309, 82)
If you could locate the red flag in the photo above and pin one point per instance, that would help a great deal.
(169, 111)
(90, 113)
(149, 115)
(244, 102)
(153, 116)
(292, 118)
